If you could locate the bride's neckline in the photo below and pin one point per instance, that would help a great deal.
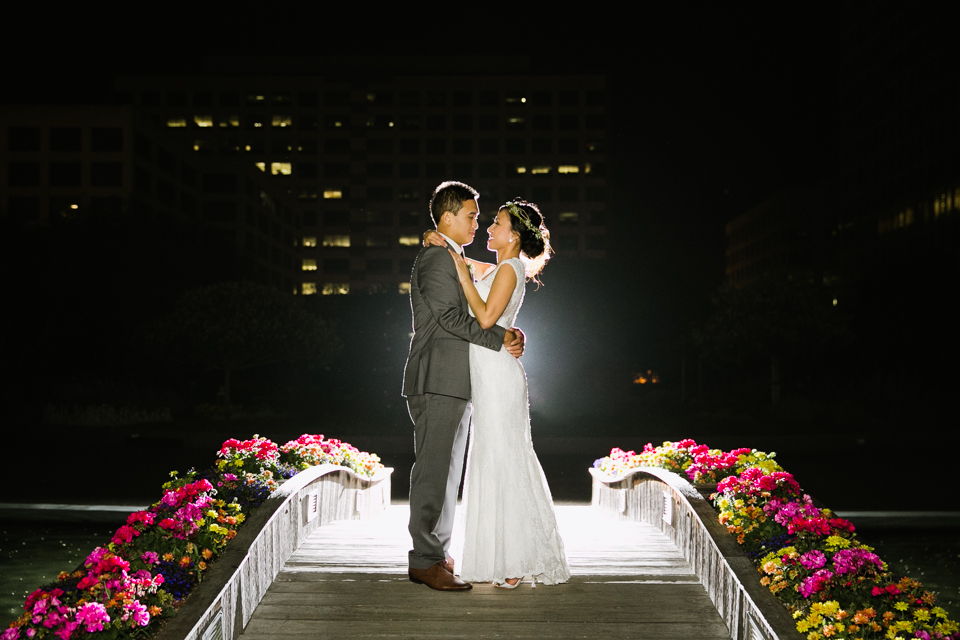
(495, 267)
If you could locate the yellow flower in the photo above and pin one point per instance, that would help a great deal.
(939, 612)
(921, 614)
(901, 606)
(837, 541)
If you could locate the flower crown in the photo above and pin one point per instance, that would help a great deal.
(515, 210)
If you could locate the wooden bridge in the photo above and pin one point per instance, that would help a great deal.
(325, 557)
(349, 578)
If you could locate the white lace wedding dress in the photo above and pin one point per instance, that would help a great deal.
(509, 527)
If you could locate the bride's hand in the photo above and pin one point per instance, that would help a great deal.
(431, 237)
(463, 272)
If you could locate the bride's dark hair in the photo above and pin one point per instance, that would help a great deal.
(527, 221)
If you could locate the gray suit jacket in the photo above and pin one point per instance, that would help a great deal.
(439, 359)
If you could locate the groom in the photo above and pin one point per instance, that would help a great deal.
(436, 383)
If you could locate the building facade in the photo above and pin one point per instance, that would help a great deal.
(359, 152)
(64, 162)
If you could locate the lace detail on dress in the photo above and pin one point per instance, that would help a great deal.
(508, 526)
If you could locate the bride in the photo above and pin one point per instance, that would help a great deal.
(509, 524)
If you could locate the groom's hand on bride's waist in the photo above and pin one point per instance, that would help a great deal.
(513, 341)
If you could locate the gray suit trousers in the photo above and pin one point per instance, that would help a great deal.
(441, 424)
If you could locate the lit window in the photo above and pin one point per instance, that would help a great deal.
(177, 122)
(309, 264)
(308, 288)
(203, 121)
(310, 241)
(336, 288)
(255, 98)
(282, 121)
(260, 165)
(229, 121)
(410, 241)
(336, 241)
(404, 287)
(521, 169)
(257, 124)
(332, 194)
(586, 168)
(281, 168)
(541, 169)
(568, 168)
(569, 217)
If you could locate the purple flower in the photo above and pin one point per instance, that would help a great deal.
(813, 559)
(150, 557)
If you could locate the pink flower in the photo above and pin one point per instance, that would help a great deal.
(814, 583)
(93, 615)
(813, 559)
(150, 557)
(10, 633)
(139, 613)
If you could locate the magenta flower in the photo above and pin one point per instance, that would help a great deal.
(139, 613)
(813, 560)
(150, 557)
(10, 633)
(851, 560)
(92, 616)
(814, 583)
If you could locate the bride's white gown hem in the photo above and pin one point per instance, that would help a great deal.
(507, 524)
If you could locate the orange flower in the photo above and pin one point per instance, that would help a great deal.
(168, 557)
(202, 565)
(185, 561)
(154, 610)
(207, 554)
(231, 534)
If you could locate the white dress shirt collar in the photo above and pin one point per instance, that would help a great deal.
(451, 242)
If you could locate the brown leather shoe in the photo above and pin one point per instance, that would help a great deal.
(437, 577)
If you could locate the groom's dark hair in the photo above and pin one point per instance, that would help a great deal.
(449, 196)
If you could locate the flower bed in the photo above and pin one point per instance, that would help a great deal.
(834, 585)
(154, 560)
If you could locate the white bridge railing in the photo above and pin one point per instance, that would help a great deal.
(221, 606)
(668, 501)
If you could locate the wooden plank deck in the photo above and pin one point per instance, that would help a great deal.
(349, 580)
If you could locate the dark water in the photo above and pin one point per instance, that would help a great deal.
(32, 554)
